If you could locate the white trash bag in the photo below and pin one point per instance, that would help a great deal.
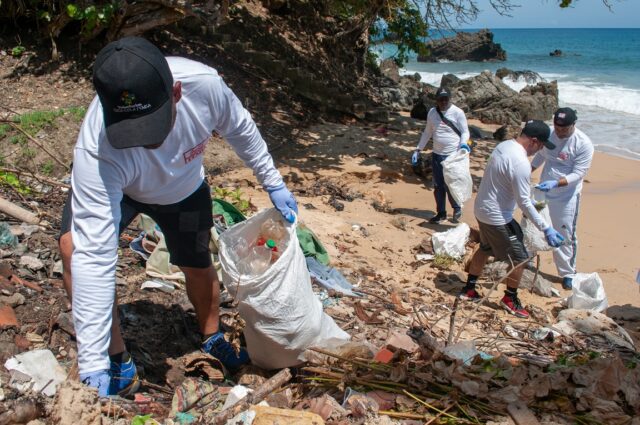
(282, 314)
(588, 293)
(457, 176)
(533, 238)
(452, 242)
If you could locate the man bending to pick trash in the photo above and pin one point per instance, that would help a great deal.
(140, 150)
(505, 183)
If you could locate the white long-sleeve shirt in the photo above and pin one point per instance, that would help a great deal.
(445, 140)
(505, 184)
(102, 175)
(570, 159)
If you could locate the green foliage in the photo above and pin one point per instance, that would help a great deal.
(32, 122)
(17, 51)
(443, 261)
(4, 129)
(47, 167)
(407, 27)
(10, 179)
(235, 197)
(77, 112)
(92, 17)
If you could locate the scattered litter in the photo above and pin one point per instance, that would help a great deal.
(7, 238)
(425, 257)
(30, 262)
(162, 285)
(594, 324)
(235, 395)
(329, 278)
(465, 351)
(37, 370)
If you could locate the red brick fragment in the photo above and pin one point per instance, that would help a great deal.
(8, 317)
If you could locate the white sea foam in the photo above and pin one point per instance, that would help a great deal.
(605, 96)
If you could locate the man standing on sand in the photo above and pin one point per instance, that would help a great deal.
(564, 169)
(504, 185)
(140, 150)
(447, 124)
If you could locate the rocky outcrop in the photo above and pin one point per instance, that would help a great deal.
(556, 52)
(390, 69)
(490, 100)
(530, 77)
(470, 46)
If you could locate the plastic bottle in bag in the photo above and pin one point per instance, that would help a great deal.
(239, 249)
(256, 262)
(274, 230)
(275, 253)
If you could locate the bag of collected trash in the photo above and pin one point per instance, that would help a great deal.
(457, 176)
(282, 314)
(534, 239)
(452, 242)
(588, 293)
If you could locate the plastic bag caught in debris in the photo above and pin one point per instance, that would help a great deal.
(329, 278)
(452, 242)
(588, 293)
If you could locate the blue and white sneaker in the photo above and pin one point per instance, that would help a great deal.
(222, 350)
(124, 378)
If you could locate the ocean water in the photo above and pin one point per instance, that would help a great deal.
(598, 75)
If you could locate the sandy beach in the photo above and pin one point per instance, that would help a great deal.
(373, 164)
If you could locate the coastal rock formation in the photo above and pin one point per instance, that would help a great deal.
(390, 69)
(530, 77)
(471, 46)
(487, 98)
(556, 52)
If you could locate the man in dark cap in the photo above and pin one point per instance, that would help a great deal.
(140, 150)
(447, 125)
(565, 167)
(505, 184)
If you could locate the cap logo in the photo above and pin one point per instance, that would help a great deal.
(562, 115)
(128, 104)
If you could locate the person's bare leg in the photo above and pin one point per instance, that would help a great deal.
(203, 290)
(116, 345)
(513, 281)
(478, 260)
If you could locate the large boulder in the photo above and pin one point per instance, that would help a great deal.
(490, 100)
(389, 68)
(469, 46)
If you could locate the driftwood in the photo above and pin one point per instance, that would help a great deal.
(18, 212)
(256, 396)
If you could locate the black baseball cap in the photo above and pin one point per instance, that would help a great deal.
(134, 84)
(539, 130)
(565, 117)
(443, 92)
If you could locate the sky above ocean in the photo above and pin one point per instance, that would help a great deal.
(547, 14)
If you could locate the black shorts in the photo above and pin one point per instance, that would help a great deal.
(185, 225)
(503, 242)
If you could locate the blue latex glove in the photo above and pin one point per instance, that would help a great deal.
(546, 186)
(554, 238)
(284, 202)
(414, 158)
(465, 147)
(99, 380)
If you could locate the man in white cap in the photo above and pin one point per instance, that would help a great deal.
(564, 169)
(140, 150)
(505, 184)
(447, 124)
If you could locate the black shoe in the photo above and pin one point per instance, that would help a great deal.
(456, 216)
(438, 218)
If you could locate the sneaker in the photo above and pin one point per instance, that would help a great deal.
(456, 216)
(469, 295)
(222, 350)
(567, 283)
(124, 378)
(438, 218)
(512, 305)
